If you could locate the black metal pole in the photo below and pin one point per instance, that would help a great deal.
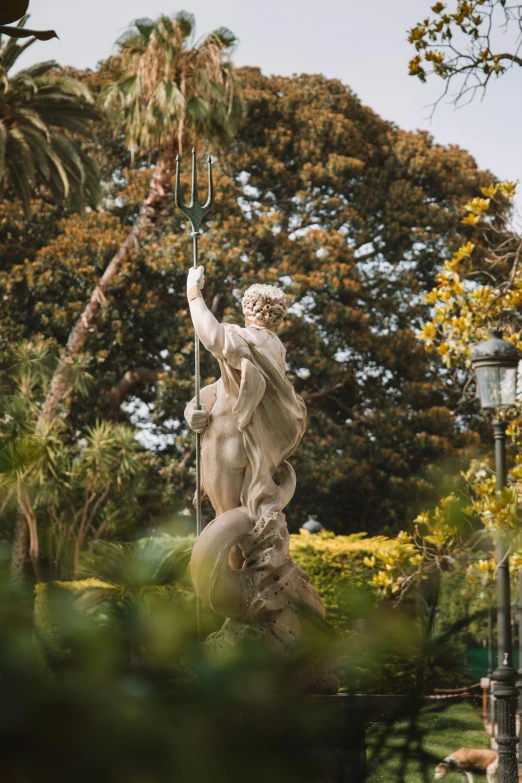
(505, 676)
(466, 634)
(514, 624)
(491, 663)
(519, 678)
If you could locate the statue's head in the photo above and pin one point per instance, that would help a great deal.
(264, 305)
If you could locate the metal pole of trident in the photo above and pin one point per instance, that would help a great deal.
(195, 212)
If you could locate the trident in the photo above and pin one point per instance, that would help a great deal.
(195, 212)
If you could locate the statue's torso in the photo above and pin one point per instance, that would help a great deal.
(223, 454)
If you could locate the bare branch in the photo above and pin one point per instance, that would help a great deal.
(132, 377)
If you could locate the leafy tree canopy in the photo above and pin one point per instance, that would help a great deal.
(351, 215)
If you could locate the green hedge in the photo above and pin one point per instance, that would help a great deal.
(336, 568)
(334, 564)
(380, 649)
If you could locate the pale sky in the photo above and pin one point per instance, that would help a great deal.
(361, 42)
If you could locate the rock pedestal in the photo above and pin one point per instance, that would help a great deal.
(336, 744)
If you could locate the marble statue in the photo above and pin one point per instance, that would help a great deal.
(253, 421)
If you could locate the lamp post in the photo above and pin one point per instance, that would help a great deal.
(496, 362)
(514, 623)
(491, 663)
(519, 678)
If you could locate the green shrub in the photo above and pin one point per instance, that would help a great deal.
(130, 584)
(336, 568)
(143, 590)
(51, 598)
(385, 647)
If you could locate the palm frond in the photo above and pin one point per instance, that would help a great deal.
(43, 113)
(186, 23)
(37, 70)
(17, 459)
(157, 560)
(137, 34)
(33, 358)
(225, 37)
(81, 380)
(12, 50)
(20, 167)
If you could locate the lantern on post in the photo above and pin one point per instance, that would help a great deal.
(496, 365)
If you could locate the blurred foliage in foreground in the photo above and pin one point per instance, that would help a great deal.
(139, 699)
(137, 589)
(107, 680)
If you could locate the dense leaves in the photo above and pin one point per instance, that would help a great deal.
(353, 217)
(68, 490)
(466, 304)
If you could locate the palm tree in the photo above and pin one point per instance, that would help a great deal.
(73, 492)
(42, 115)
(172, 89)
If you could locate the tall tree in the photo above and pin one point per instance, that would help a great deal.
(171, 89)
(73, 490)
(44, 115)
(353, 217)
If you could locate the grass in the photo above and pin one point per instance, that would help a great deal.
(408, 752)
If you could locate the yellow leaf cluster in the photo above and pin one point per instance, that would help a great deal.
(458, 305)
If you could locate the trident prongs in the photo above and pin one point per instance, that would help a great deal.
(195, 211)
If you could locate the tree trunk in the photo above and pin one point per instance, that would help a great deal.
(151, 211)
(20, 558)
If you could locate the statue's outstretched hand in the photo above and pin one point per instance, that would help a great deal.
(197, 420)
(196, 277)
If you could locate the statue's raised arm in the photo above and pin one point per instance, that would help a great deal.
(208, 329)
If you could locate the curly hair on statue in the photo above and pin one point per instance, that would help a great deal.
(265, 304)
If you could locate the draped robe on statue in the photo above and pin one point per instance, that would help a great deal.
(268, 412)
